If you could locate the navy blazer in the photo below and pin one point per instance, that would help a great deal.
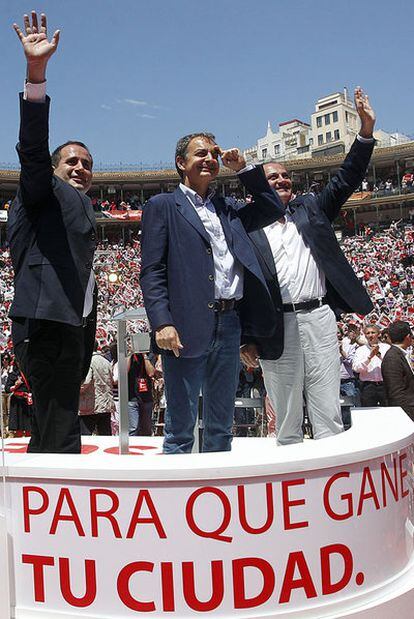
(398, 380)
(51, 230)
(313, 216)
(177, 270)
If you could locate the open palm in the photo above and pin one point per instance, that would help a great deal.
(36, 46)
(363, 106)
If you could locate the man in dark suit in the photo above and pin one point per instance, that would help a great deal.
(396, 368)
(196, 258)
(51, 233)
(307, 275)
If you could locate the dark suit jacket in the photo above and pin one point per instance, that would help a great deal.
(398, 380)
(313, 216)
(51, 231)
(177, 271)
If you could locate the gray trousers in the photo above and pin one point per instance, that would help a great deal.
(309, 367)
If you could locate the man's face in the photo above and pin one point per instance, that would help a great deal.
(352, 334)
(372, 336)
(75, 167)
(279, 179)
(201, 161)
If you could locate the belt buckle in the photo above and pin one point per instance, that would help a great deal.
(294, 307)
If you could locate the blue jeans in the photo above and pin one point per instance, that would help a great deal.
(350, 390)
(216, 375)
(140, 417)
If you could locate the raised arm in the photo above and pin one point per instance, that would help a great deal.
(266, 206)
(352, 171)
(33, 150)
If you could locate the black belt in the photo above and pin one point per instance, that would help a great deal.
(304, 305)
(224, 305)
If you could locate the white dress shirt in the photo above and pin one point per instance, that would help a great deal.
(349, 349)
(36, 93)
(228, 272)
(369, 371)
(300, 278)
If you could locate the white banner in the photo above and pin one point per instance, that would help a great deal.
(228, 548)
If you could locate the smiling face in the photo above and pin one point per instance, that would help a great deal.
(200, 164)
(279, 179)
(75, 167)
(372, 335)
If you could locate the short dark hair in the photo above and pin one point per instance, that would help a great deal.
(182, 146)
(398, 331)
(56, 153)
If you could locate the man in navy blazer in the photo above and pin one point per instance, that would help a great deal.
(52, 237)
(196, 259)
(310, 281)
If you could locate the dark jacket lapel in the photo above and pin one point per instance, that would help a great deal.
(189, 213)
(259, 239)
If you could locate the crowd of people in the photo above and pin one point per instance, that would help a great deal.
(264, 281)
(383, 261)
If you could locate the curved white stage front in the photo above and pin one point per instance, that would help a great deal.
(311, 531)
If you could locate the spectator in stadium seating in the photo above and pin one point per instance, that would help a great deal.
(347, 349)
(96, 405)
(309, 279)
(367, 363)
(140, 400)
(396, 368)
(20, 403)
(195, 257)
(51, 232)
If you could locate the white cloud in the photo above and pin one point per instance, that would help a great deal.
(105, 107)
(146, 116)
(134, 102)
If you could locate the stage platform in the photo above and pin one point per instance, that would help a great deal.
(319, 530)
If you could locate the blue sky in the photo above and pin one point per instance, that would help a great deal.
(130, 77)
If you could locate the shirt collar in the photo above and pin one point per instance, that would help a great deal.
(404, 350)
(193, 196)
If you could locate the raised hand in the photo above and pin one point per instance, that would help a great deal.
(37, 48)
(233, 159)
(365, 113)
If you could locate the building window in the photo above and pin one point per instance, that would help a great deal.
(327, 119)
(329, 136)
(264, 153)
(320, 140)
(346, 116)
(336, 134)
(319, 121)
(277, 149)
(334, 117)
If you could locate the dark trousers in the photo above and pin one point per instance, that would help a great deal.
(140, 417)
(99, 422)
(373, 394)
(52, 359)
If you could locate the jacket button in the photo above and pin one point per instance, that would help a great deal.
(211, 277)
(88, 265)
(93, 237)
(208, 250)
(210, 305)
